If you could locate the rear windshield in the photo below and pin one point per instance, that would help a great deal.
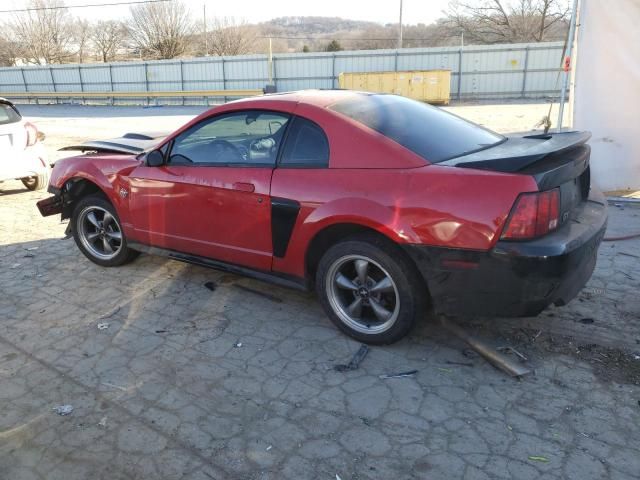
(432, 133)
(8, 114)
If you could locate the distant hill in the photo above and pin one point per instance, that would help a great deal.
(299, 26)
(294, 33)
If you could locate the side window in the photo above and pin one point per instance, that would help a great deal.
(250, 138)
(306, 145)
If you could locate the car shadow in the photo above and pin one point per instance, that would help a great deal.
(4, 192)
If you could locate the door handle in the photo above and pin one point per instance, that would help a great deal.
(244, 187)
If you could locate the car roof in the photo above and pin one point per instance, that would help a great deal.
(315, 97)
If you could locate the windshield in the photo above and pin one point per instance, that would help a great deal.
(432, 133)
(8, 114)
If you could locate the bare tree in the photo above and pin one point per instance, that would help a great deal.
(508, 21)
(45, 34)
(9, 51)
(161, 30)
(81, 36)
(108, 36)
(228, 37)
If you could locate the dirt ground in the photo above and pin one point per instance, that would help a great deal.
(238, 382)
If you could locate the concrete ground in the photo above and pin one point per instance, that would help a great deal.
(187, 383)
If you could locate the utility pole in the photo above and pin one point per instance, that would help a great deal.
(204, 28)
(400, 27)
(569, 65)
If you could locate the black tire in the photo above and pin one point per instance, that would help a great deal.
(407, 301)
(97, 203)
(37, 182)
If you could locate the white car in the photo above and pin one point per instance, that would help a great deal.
(22, 154)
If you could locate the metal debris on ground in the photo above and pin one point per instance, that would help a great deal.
(586, 321)
(28, 255)
(514, 351)
(211, 286)
(538, 458)
(238, 344)
(103, 422)
(63, 409)
(30, 249)
(268, 296)
(494, 357)
(103, 326)
(410, 373)
(462, 364)
(269, 447)
(106, 384)
(355, 360)
(110, 314)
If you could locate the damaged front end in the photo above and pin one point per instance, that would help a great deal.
(51, 205)
(63, 200)
(61, 203)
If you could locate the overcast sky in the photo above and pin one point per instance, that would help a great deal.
(382, 11)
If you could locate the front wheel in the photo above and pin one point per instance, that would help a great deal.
(370, 289)
(98, 234)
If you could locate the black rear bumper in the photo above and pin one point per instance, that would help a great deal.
(516, 278)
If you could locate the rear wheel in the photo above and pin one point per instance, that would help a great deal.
(98, 234)
(36, 182)
(370, 289)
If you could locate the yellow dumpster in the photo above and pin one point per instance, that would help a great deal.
(433, 86)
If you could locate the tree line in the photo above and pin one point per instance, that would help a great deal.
(47, 33)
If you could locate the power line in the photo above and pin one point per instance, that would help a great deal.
(62, 7)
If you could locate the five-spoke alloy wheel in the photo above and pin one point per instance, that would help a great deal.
(370, 289)
(98, 234)
(362, 294)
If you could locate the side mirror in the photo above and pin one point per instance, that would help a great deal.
(155, 158)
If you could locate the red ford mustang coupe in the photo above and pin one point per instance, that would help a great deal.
(384, 205)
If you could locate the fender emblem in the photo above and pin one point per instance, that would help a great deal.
(123, 192)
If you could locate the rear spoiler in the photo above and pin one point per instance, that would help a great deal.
(129, 143)
(518, 152)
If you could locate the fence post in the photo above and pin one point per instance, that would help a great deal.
(275, 72)
(24, 82)
(395, 61)
(81, 85)
(146, 81)
(182, 79)
(224, 80)
(459, 72)
(53, 82)
(524, 71)
(333, 70)
(111, 83)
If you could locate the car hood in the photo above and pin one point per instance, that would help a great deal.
(129, 143)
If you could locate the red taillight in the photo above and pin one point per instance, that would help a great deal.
(533, 215)
(32, 134)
